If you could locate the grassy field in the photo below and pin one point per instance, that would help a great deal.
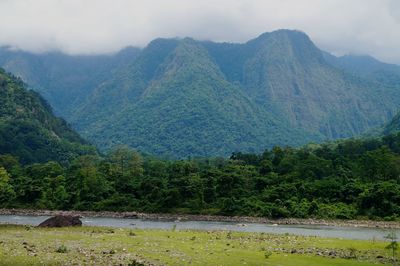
(20, 245)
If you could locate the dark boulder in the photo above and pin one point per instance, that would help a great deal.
(61, 221)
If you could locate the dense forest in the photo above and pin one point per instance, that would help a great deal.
(346, 179)
(182, 97)
(30, 131)
(44, 164)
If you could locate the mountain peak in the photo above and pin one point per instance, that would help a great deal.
(282, 33)
(182, 97)
(289, 46)
(188, 55)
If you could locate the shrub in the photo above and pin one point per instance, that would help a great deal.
(62, 249)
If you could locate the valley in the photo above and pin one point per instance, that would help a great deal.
(266, 152)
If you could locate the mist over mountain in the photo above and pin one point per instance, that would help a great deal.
(182, 97)
(65, 81)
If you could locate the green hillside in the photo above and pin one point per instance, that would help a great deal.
(182, 97)
(288, 74)
(189, 108)
(393, 126)
(28, 128)
(65, 81)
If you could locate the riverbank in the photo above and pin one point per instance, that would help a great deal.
(211, 218)
(22, 245)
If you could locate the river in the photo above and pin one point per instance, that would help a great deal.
(360, 233)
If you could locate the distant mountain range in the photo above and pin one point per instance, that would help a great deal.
(30, 131)
(182, 97)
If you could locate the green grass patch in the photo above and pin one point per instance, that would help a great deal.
(102, 246)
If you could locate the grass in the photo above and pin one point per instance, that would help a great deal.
(21, 245)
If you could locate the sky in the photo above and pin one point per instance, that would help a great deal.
(104, 26)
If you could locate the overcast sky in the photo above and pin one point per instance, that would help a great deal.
(103, 26)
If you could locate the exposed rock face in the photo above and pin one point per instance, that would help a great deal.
(61, 221)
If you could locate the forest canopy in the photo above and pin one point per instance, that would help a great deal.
(347, 179)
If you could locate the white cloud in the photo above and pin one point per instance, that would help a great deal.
(101, 26)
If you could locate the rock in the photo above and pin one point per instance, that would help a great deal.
(61, 221)
(130, 216)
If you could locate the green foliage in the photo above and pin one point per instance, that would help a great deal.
(180, 97)
(344, 180)
(30, 131)
(393, 126)
(267, 254)
(62, 249)
(189, 110)
(352, 253)
(7, 194)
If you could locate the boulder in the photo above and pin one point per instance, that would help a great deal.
(61, 221)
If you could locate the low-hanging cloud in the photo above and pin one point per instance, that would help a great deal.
(104, 26)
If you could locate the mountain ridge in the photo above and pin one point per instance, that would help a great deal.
(291, 88)
(30, 131)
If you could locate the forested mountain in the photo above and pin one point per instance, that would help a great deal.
(365, 66)
(181, 106)
(63, 80)
(379, 73)
(29, 130)
(288, 74)
(393, 126)
(181, 97)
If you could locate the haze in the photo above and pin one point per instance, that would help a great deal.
(105, 26)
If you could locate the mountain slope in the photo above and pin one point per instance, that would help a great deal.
(393, 126)
(286, 72)
(361, 65)
(123, 86)
(189, 108)
(65, 81)
(181, 97)
(28, 128)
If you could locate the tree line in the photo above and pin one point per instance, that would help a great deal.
(347, 179)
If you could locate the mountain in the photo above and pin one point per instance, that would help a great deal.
(64, 80)
(368, 68)
(29, 130)
(182, 97)
(183, 106)
(286, 72)
(376, 72)
(362, 65)
(393, 125)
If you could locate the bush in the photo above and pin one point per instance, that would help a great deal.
(62, 249)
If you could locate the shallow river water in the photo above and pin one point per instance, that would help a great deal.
(305, 230)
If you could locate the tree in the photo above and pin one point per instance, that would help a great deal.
(136, 165)
(121, 157)
(7, 193)
(126, 166)
(94, 187)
